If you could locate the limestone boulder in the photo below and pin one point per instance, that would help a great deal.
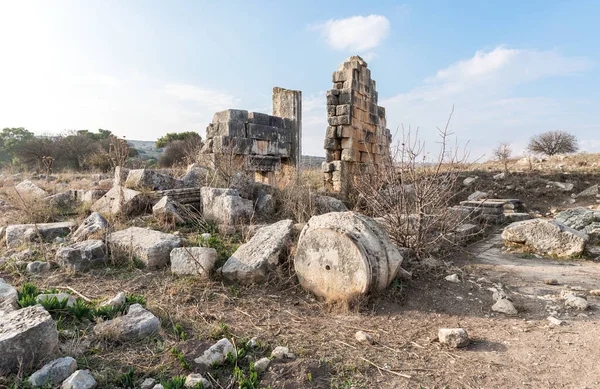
(193, 260)
(121, 200)
(27, 336)
(326, 204)
(592, 191)
(53, 373)
(343, 255)
(265, 204)
(151, 179)
(252, 260)
(151, 247)
(91, 196)
(117, 301)
(453, 337)
(81, 379)
(82, 255)
(216, 354)
(578, 218)
(169, 210)
(18, 234)
(38, 267)
(95, 224)
(29, 189)
(138, 323)
(225, 206)
(8, 297)
(546, 237)
(195, 176)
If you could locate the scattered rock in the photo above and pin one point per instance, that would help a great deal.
(118, 301)
(499, 176)
(91, 196)
(59, 296)
(555, 322)
(265, 204)
(282, 352)
(151, 179)
(343, 255)
(478, 195)
(195, 176)
(578, 218)
(262, 365)
(82, 255)
(326, 204)
(38, 267)
(216, 354)
(168, 209)
(18, 234)
(547, 237)
(592, 191)
(81, 379)
(595, 292)
(453, 278)
(576, 302)
(193, 260)
(252, 260)
(149, 246)
(195, 379)
(27, 336)
(138, 323)
(225, 206)
(29, 189)
(504, 306)
(563, 186)
(95, 224)
(363, 337)
(8, 297)
(454, 337)
(517, 217)
(120, 200)
(469, 181)
(551, 281)
(54, 372)
(148, 383)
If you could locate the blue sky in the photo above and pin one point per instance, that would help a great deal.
(143, 68)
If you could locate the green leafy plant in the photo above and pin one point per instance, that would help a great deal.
(53, 304)
(135, 299)
(27, 295)
(174, 383)
(127, 379)
(181, 358)
(80, 310)
(244, 381)
(179, 332)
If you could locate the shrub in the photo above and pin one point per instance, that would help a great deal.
(553, 142)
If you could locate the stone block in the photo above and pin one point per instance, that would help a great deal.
(151, 179)
(193, 260)
(259, 131)
(332, 98)
(264, 163)
(121, 200)
(17, 234)
(331, 132)
(331, 109)
(82, 255)
(151, 247)
(345, 97)
(342, 109)
(259, 118)
(225, 206)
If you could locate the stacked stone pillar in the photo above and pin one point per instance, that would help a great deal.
(357, 140)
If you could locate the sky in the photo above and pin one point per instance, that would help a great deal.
(510, 69)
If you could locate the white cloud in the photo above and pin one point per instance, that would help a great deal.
(205, 97)
(356, 33)
(488, 109)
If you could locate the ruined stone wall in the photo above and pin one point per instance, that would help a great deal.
(265, 143)
(357, 139)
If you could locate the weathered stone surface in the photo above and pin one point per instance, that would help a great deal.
(592, 191)
(54, 372)
(453, 278)
(38, 267)
(27, 335)
(29, 189)
(194, 379)
(563, 186)
(8, 297)
(469, 181)
(119, 300)
(252, 260)
(478, 195)
(91, 196)
(265, 204)
(59, 296)
(17, 234)
(169, 210)
(262, 365)
(547, 237)
(282, 352)
(453, 337)
(504, 306)
(138, 323)
(342, 255)
(499, 176)
(578, 218)
(517, 217)
(82, 255)
(148, 383)
(195, 176)
(216, 354)
(363, 337)
(95, 224)
(326, 204)
(576, 302)
(193, 260)
(81, 379)
(121, 200)
(151, 179)
(225, 206)
(149, 246)
(120, 176)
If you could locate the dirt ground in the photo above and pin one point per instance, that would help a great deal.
(505, 352)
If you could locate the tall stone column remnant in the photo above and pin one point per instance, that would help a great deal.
(357, 139)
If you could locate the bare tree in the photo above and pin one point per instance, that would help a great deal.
(553, 142)
(413, 195)
(502, 153)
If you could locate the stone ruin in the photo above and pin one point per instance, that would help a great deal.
(268, 145)
(357, 140)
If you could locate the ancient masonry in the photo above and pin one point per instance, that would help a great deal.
(357, 140)
(269, 145)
